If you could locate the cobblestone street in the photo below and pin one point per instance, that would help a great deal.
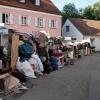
(77, 82)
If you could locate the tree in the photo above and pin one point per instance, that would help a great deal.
(96, 10)
(69, 10)
(88, 13)
(92, 12)
(80, 11)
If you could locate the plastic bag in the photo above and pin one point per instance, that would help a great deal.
(26, 68)
(40, 65)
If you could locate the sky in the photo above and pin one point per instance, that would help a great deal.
(78, 3)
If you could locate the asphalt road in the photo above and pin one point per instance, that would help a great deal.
(78, 82)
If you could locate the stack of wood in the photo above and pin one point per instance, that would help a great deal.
(8, 84)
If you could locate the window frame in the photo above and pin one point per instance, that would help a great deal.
(6, 18)
(67, 28)
(53, 23)
(37, 2)
(24, 20)
(40, 22)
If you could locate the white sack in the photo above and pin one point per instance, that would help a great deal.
(35, 58)
(26, 68)
(71, 54)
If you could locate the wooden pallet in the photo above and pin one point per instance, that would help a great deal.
(8, 92)
(10, 84)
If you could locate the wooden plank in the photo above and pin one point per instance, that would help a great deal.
(10, 84)
(14, 51)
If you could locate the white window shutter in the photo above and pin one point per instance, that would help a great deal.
(11, 19)
(0, 17)
(20, 23)
(56, 24)
(29, 20)
(49, 23)
(44, 22)
(36, 21)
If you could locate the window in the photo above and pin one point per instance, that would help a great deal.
(52, 23)
(24, 20)
(6, 18)
(40, 22)
(92, 42)
(36, 2)
(67, 28)
(22, 1)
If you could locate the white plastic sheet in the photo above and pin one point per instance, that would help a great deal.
(26, 68)
(70, 43)
(71, 54)
(37, 62)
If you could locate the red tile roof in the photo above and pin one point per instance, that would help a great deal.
(86, 27)
(46, 6)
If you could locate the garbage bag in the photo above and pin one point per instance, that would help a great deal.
(26, 68)
(39, 63)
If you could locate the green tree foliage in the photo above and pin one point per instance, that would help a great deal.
(88, 13)
(69, 10)
(96, 10)
(92, 12)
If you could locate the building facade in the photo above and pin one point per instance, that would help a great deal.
(83, 29)
(28, 16)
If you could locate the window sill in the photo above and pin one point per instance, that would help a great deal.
(53, 27)
(67, 31)
(7, 23)
(24, 25)
(22, 2)
(40, 26)
(37, 5)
